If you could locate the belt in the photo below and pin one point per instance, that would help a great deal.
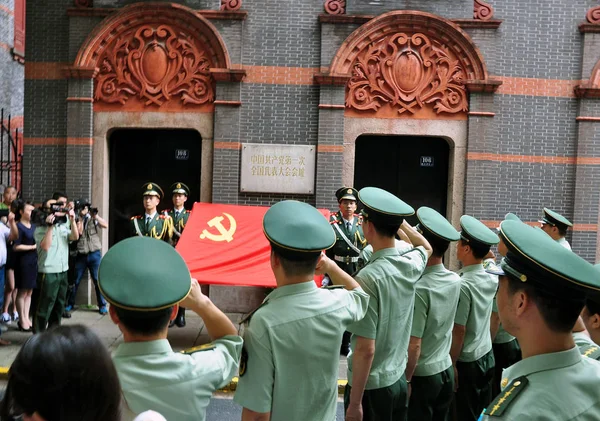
(345, 259)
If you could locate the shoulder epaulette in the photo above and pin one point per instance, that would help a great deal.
(200, 348)
(249, 315)
(162, 216)
(333, 217)
(505, 398)
(590, 351)
(333, 287)
(136, 217)
(168, 210)
(188, 211)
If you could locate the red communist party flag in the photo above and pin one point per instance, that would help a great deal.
(225, 245)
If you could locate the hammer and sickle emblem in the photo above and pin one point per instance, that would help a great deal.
(224, 233)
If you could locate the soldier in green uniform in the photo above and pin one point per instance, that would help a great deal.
(377, 387)
(471, 350)
(152, 224)
(179, 216)
(590, 317)
(290, 364)
(347, 226)
(556, 226)
(144, 281)
(436, 299)
(542, 289)
(349, 241)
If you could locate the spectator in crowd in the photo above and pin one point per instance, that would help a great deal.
(5, 236)
(52, 240)
(64, 374)
(89, 254)
(26, 262)
(9, 311)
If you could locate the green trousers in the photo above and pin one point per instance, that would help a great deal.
(50, 305)
(505, 355)
(474, 387)
(385, 404)
(431, 396)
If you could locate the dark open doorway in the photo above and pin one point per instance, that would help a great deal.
(414, 168)
(141, 155)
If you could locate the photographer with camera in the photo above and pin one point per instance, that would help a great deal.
(52, 238)
(89, 254)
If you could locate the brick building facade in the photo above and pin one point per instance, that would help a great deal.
(12, 71)
(510, 89)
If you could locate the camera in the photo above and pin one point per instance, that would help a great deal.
(82, 204)
(39, 215)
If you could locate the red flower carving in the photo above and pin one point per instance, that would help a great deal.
(231, 5)
(335, 7)
(482, 10)
(593, 15)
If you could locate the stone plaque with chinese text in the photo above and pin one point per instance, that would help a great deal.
(275, 168)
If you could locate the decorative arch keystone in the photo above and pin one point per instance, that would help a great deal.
(407, 63)
(155, 56)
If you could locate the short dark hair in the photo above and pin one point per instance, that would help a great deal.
(593, 305)
(479, 250)
(58, 194)
(63, 374)
(438, 245)
(562, 230)
(384, 229)
(145, 323)
(300, 264)
(560, 313)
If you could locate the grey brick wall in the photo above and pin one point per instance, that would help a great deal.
(44, 171)
(452, 9)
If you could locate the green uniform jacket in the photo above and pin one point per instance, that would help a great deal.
(160, 227)
(179, 222)
(341, 249)
(560, 386)
(586, 346)
(390, 280)
(291, 362)
(177, 386)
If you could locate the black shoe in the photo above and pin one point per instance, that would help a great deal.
(180, 319)
(66, 315)
(22, 329)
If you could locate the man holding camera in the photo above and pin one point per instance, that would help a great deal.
(52, 240)
(88, 251)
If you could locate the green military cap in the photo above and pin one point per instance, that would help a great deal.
(143, 274)
(296, 229)
(510, 217)
(348, 193)
(180, 188)
(432, 223)
(152, 189)
(555, 219)
(475, 231)
(383, 207)
(533, 257)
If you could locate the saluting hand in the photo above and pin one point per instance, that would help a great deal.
(323, 265)
(195, 299)
(354, 412)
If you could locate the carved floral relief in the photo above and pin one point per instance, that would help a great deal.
(407, 72)
(154, 65)
(335, 7)
(231, 5)
(593, 15)
(482, 10)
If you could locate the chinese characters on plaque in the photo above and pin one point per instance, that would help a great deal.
(273, 168)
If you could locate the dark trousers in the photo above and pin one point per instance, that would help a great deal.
(474, 387)
(385, 404)
(505, 355)
(431, 396)
(50, 305)
(90, 261)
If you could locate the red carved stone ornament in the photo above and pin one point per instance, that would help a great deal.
(593, 15)
(155, 64)
(335, 7)
(408, 72)
(407, 63)
(154, 56)
(83, 3)
(482, 10)
(231, 5)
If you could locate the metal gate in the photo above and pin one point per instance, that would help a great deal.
(11, 154)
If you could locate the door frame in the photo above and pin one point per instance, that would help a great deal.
(106, 122)
(453, 131)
